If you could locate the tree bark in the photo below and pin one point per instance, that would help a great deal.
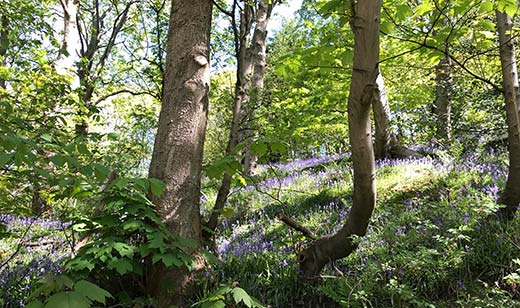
(259, 48)
(442, 104)
(510, 196)
(178, 148)
(386, 144)
(365, 24)
(4, 44)
(65, 59)
(250, 77)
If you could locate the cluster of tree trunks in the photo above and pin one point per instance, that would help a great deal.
(250, 57)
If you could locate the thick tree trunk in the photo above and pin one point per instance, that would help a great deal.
(4, 44)
(386, 144)
(177, 154)
(511, 195)
(443, 98)
(65, 59)
(365, 24)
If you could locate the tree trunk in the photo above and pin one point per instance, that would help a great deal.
(178, 148)
(365, 24)
(386, 144)
(443, 98)
(250, 65)
(4, 44)
(65, 59)
(259, 48)
(510, 197)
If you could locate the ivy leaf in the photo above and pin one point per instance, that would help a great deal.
(68, 300)
(92, 291)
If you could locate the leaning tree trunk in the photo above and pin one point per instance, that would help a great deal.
(442, 102)
(386, 144)
(365, 24)
(510, 197)
(177, 154)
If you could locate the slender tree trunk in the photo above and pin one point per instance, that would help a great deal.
(178, 148)
(65, 59)
(365, 24)
(443, 98)
(4, 44)
(510, 197)
(247, 63)
(259, 47)
(386, 144)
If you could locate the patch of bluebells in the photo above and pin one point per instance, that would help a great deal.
(36, 247)
(300, 164)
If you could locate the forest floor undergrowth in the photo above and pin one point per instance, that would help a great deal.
(432, 240)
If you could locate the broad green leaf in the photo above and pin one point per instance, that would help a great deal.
(239, 295)
(92, 291)
(486, 6)
(5, 158)
(101, 172)
(58, 160)
(424, 7)
(68, 300)
(35, 304)
(213, 304)
(122, 266)
(167, 259)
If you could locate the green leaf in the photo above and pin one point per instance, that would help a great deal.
(423, 8)
(122, 266)
(35, 304)
(47, 137)
(68, 300)
(387, 27)
(157, 186)
(101, 172)
(124, 249)
(92, 291)
(58, 160)
(240, 295)
(213, 304)
(486, 6)
(5, 158)
(167, 259)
